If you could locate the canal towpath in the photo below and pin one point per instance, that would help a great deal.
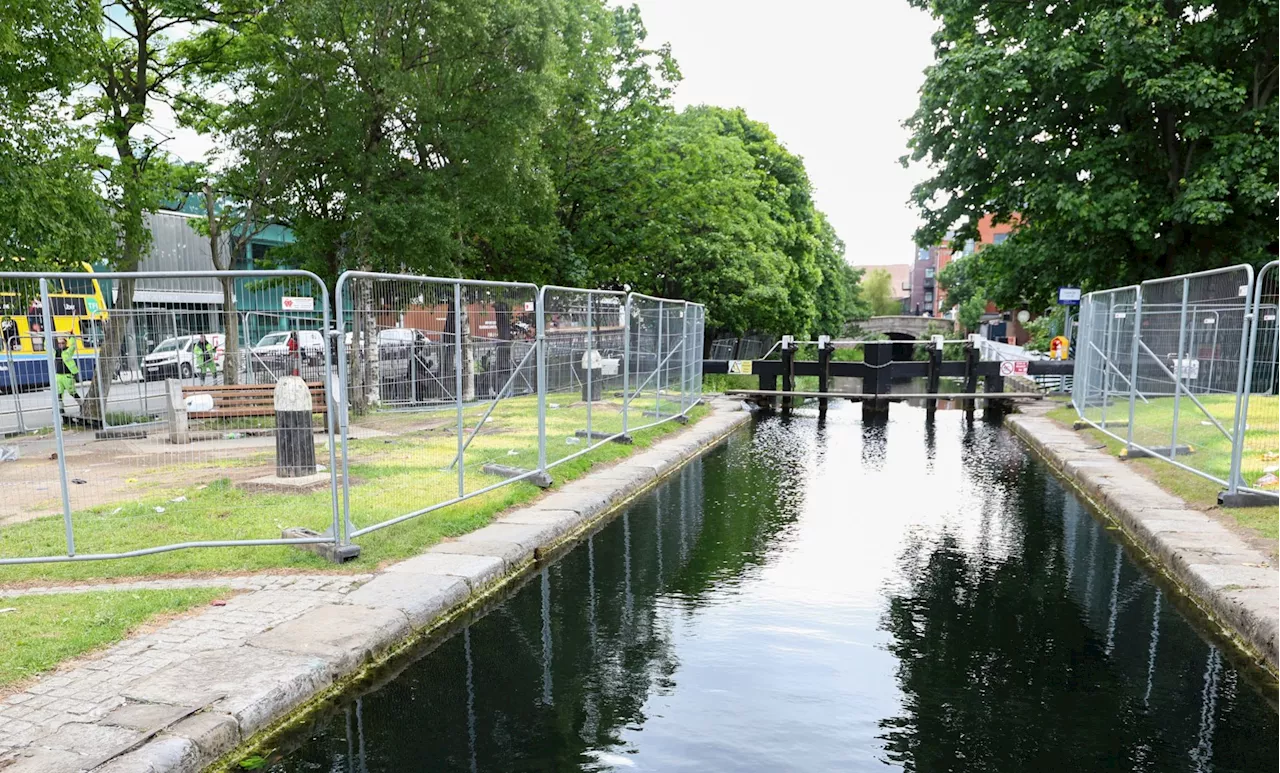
(181, 696)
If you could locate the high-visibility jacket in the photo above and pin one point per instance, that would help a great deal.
(66, 362)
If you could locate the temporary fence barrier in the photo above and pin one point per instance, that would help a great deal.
(176, 416)
(457, 359)
(584, 335)
(1168, 368)
(425, 392)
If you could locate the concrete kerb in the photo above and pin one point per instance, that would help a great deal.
(1230, 582)
(436, 588)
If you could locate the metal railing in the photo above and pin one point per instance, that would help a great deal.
(425, 392)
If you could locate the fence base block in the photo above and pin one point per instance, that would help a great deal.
(582, 433)
(120, 434)
(541, 479)
(624, 439)
(1078, 425)
(338, 554)
(1155, 452)
(1246, 499)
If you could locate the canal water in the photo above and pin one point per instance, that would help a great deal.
(833, 597)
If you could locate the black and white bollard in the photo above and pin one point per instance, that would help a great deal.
(295, 445)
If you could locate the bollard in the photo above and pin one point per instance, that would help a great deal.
(295, 445)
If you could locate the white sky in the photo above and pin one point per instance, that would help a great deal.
(834, 79)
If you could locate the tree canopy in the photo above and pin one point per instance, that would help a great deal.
(1130, 139)
(497, 139)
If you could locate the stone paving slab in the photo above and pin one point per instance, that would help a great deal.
(1234, 582)
(252, 661)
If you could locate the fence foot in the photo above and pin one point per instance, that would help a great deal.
(338, 554)
(1086, 425)
(681, 419)
(624, 439)
(1246, 499)
(582, 433)
(540, 479)
(1155, 452)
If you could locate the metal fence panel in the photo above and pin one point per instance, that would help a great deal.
(441, 400)
(584, 335)
(1188, 368)
(1103, 357)
(150, 439)
(1257, 458)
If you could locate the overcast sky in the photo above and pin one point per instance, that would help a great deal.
(833, 79)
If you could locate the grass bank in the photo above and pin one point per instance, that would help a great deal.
(39, 632)
(407, 466)
(1211, 450)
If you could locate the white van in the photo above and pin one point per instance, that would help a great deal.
(176, 357)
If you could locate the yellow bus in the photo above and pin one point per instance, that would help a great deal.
(79, 311)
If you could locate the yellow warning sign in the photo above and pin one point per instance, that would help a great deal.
(740, 367)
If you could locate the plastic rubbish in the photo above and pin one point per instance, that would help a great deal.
(573, 441)
(178, 499)
(8, 453)
(80, 481)
(158, 509)
(1268, 481)
(197, 403)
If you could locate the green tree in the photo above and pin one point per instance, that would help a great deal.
(402, 134)
(50, 213)
(877, 289)
(1130, 139)
(614, 95)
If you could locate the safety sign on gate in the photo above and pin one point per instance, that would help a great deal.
(1013, 368)
(298, 303)
(740, 367)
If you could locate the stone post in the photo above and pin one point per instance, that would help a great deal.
(177, 410)
(295, 445)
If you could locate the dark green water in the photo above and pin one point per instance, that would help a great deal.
(823, 598)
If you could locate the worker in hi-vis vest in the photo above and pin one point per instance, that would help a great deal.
(66, 368)
(206, 363)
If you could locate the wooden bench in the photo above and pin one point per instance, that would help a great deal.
(233, 401)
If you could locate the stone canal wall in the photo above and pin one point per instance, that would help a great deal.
(1236, 585)
(189, 694)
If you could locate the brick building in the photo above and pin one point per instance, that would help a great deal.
(927, 298)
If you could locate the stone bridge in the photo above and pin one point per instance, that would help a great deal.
(905, 327)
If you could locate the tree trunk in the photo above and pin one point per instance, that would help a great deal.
(230, 332)
(468, 354)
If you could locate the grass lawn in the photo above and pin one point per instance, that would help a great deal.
(392, 474)
(43, 631)
(1212, 451)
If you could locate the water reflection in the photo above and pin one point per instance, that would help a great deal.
(855, 598)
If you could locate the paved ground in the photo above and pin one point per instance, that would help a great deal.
(1233, 582)
(191, 691)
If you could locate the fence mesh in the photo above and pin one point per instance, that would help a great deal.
(1188, 368)
(160, 426)
(1104, 352)
(434, 414)
(584, 337)
(1259, 461)
(140, 411)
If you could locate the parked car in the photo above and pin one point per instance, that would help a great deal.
(176, 357)
(275, 345)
